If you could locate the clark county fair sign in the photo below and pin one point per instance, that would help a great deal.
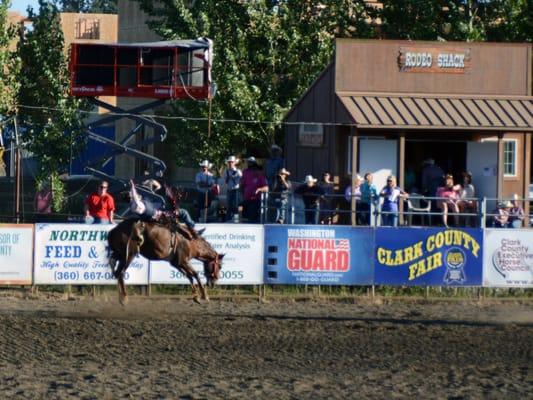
(431, 59)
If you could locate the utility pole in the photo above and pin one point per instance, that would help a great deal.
(17, 172)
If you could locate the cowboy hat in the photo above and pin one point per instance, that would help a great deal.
(504, 204)
(251, 160)
(206, 163)
(275, 147)
(310, 179)
(232, 159)
(283, 171)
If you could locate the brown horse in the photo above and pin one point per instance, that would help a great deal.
(159, 242)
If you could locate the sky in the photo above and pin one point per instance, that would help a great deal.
(22, 5)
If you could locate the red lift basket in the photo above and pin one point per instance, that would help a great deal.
(179, 69)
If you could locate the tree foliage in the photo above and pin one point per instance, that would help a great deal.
(50, 116)
(458, 20)
(89, 6)
(266, 54)
(9, 63)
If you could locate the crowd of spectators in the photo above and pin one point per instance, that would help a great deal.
(323, 201)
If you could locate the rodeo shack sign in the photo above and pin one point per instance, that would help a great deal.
(431, 59)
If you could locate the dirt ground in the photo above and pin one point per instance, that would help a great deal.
(171, 348)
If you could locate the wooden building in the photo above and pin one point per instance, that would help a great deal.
(386, 106)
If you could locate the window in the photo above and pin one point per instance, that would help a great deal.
(509, 157)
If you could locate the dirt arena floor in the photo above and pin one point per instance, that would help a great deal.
(171, 348)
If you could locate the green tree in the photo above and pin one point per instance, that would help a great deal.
(9, 63)
(458, 20)
(266, 54)
(50, 117)
(89, 6)
(511, 20)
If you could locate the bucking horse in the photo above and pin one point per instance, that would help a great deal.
(168, 242)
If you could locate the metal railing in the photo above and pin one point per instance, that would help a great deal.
(473, 212)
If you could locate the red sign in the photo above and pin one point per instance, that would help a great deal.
(318, 254)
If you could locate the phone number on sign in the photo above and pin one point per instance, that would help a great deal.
(86, 276)
(223, 274)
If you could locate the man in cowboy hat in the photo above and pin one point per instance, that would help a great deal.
(204, 183)
(501, 214)
(282, 188)
(232, 177)
(311, 194)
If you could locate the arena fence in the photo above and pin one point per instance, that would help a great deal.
(417, 210)
(76, 254)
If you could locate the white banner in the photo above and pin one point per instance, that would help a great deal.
(243, 261)
(16, 243)
(508, 258)
(77, 254)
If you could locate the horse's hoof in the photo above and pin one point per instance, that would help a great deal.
(123, 301)
(197, 300)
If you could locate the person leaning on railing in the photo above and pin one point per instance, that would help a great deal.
(311, 194)
(328, 203)
(391, 194)
(282, 189)
(516, 213)
(369, 195)
(448, 201)
(467, 204)
(500, 218)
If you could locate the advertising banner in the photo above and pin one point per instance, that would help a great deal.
(318, 255)
(428, 256)
(16, 257)
(78, 254)
(242, 246)
(508, 258)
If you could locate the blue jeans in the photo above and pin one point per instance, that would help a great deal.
(311, 215)
(233, 199)
(98, 220)
(185, 217)
(281, 210)
(389, 219)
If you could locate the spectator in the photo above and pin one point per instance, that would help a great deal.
(43, 202)
(448, 201)
(391, 194)
(253, 183)
(327, 205)
(204, 184)
(431, 177)
(467, 204)
(232, 177)
(516, 213)
(151, 183)
(501, 215)
(369, 196)
(100, 206)
(282, 189)
(274, 164)
(357, 194)
(311, 194)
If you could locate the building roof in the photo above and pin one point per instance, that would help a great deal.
(430, 111)
(200, 43)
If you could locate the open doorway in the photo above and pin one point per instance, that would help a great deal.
(450, 155)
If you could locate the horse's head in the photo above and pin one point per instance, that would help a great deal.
(212, 269)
